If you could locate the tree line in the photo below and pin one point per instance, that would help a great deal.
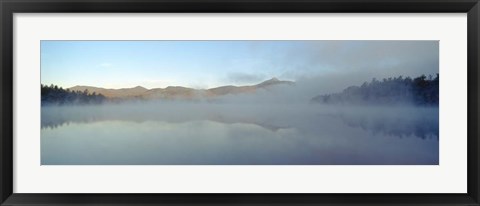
(58, 96)
(421, 90)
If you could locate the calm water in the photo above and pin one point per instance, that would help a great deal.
(226, 134)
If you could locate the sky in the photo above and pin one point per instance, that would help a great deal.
(208, 64)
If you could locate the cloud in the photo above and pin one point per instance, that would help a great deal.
(244, 78)
(375, 58)
(320, 67)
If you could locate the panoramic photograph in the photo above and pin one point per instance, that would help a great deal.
(240, 102)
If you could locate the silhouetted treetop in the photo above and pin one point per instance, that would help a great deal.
(418, 91)
(58, 96)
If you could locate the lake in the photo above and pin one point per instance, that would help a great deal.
(178, 133)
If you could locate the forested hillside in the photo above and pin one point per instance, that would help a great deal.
(421, 90)
(56, 95)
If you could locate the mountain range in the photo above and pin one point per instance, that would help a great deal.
(178, 92)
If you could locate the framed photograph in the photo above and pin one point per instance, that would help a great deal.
(203, 102)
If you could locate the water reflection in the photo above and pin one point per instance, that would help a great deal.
(395, 125)
(198, 134)
(53, 124)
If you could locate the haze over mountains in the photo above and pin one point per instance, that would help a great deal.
(392, 91)
(179, 92)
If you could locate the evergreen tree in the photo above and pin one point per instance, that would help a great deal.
(54, 95)
(419, 91)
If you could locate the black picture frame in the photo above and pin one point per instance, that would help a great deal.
(9, 7)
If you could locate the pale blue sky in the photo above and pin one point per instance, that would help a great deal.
(206, 64)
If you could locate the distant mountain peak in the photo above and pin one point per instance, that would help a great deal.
(139, 87)
(82, 88)
(273, 81)
(179, 91)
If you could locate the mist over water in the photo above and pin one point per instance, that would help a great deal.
(224, 132)
(309, 102)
